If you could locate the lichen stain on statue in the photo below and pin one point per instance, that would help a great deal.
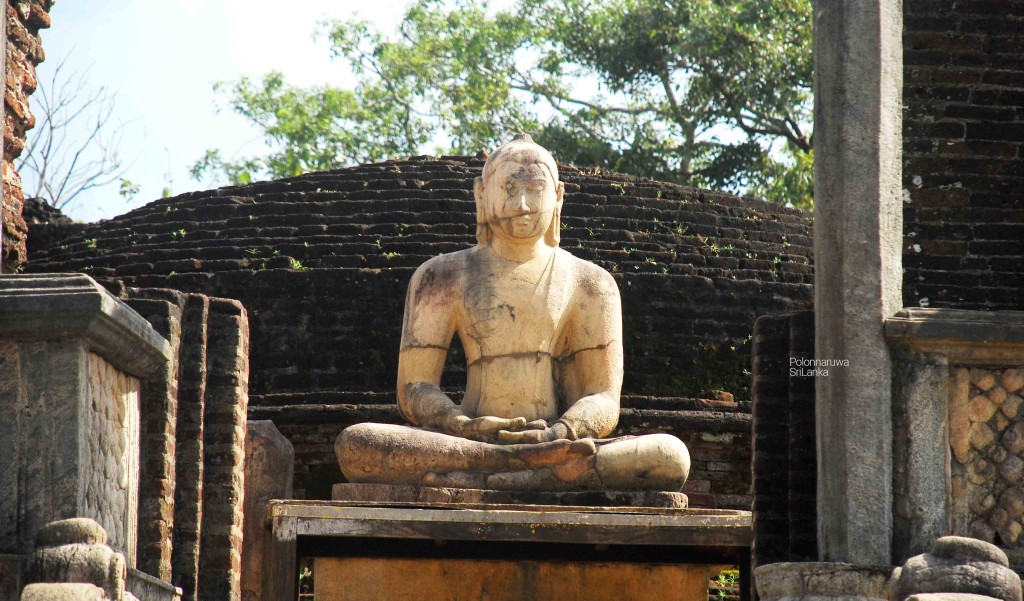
(542, 332)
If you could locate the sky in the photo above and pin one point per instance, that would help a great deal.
(161, 59)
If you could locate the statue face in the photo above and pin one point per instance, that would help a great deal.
(520, 199)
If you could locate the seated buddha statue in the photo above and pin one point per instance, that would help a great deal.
(542, 334)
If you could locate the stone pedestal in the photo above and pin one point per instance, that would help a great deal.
(71, 360)
(549, 552)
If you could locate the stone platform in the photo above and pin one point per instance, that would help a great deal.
(469, 547)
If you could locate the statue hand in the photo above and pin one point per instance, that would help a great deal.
(534, 432)
(485, 427)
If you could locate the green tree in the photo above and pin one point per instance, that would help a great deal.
(703, 92)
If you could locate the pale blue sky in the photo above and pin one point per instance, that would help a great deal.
(161, 58)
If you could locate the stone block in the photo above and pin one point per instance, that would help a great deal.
(985, 431)
(426, 496)
(63, 592)
(968, 338)
(821, 581)
(920, 408)
(62, 306)
(704, 536)
(148, 588)
(949, 597)
(269, 463)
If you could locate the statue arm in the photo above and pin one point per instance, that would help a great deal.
(427, 329)
(596, 359)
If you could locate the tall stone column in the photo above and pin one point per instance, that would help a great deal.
(857, 237)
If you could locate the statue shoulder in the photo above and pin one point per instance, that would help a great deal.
(590, 278)
(443, 272)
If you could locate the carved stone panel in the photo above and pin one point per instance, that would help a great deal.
(986, 433)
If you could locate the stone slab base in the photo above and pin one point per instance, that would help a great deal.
(371, 579)
(424, 496)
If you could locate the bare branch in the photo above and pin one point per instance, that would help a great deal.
(528, 85)
(73, 147)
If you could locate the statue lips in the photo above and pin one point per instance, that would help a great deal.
(524, 225)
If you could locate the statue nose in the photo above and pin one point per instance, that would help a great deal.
(521, 203)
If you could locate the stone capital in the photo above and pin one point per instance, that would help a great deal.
(963, 337)
(66, 305)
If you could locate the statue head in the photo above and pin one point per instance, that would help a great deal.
(519, 197)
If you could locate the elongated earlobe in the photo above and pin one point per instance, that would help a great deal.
(483, 228)
(554, 234)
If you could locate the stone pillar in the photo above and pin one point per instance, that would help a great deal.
(188, 493)
(227, 400)
(857, 240)
(269, 465)
(71, 357)
(921, 453)
(3, 121)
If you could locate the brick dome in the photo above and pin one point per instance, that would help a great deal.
(321, 262)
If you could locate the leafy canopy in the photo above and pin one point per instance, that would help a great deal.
(703, 92)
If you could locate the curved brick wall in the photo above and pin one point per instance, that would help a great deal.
(321, 263)
(694, 267)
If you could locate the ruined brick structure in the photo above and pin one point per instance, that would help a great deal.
(963, 148)
(963, 227)
(193, 415)
(321, 263)
(24, 51)
(785, 471)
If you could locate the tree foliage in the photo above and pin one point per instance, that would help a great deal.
(704, 92)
